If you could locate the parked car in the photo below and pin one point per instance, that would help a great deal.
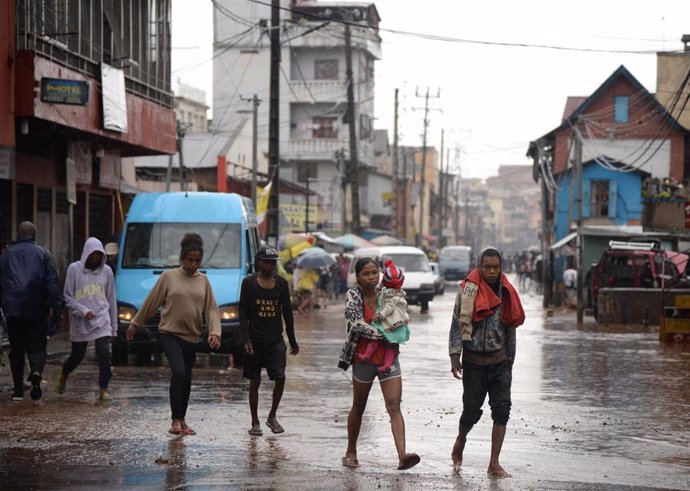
(455, 262)
(439, 281)
(636, 264)
(419, 280)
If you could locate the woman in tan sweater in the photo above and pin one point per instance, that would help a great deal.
(184, 296)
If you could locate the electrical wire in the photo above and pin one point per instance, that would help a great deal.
(436, 37)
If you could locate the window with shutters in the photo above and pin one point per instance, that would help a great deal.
(599, 204)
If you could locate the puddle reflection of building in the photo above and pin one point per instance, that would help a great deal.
(265, 453)
(176, 475)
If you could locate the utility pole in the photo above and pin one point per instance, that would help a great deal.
(444, 194)
(546, 279)
(354, 158)
(180, 137)
(396, 180)
(404, 193)
(342, 170)
(440, 191)
(306, 208)
(272, 213)
(423, 177)
(578, 172)
(168, 174)
(255, 156)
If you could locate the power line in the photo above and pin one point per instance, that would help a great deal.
(437, 37)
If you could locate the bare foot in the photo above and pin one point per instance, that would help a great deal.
(185, 429)
(495, 470)
(176, 428)
(351, 461)
(408, 461)
(458, 448)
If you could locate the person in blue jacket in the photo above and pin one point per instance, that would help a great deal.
(30, 296)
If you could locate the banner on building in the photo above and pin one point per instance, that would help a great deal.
(7, 163)
(110, 171)
(114, 99)
(70, 177)
(416, 191)
(262, 195)
(80, 153)
(296, 216)
(387, 198)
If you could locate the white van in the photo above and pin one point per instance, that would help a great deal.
(419, 280)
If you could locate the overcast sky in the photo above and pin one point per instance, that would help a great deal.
(494, 99)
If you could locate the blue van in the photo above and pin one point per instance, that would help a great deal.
(150, 244)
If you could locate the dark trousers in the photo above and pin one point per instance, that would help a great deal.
(477, 381)
(180, 355)
(27, 336)
(103, 353)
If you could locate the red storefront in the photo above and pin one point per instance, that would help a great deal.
(81, 90)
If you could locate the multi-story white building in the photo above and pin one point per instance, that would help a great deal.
(313, 91)
(191, 109)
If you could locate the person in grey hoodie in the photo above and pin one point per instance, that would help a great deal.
(90, 299)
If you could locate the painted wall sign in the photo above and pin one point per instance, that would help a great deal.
(61, 91)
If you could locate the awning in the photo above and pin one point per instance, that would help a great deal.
(563, 241)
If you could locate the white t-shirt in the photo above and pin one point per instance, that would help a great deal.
(570, 278)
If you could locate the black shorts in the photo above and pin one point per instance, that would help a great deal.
(272, 357)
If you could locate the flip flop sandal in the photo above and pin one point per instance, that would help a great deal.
(275, 426)
(350, 462)
(188, 431)
(410, 460)
(256, 431)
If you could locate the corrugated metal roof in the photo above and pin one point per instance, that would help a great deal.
(201, 150)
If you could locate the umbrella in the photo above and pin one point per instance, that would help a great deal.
(385, 240)
(292, 252)
(315, 258)
(352, 241)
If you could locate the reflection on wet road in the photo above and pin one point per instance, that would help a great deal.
(592, 407)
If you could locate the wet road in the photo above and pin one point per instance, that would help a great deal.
(593, 408)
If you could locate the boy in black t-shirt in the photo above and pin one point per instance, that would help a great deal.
(264, 305)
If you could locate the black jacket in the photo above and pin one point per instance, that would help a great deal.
(28, 282)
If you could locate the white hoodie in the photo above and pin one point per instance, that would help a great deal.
(91, 291)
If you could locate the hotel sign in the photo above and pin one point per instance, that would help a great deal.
(61, 91)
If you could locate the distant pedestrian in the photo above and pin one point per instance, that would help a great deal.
(323, 288)
(308, 280)
(570, 283)
(264, 306)
(343, 271)
(32, 303)
(488, 356)
(185, 297)
(111, 251)
(90, 299)
(361, 305)
(588, 282)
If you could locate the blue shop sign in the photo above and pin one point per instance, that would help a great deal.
(61, 91)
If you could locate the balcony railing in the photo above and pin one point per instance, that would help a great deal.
(319, 90)
(325, 148)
